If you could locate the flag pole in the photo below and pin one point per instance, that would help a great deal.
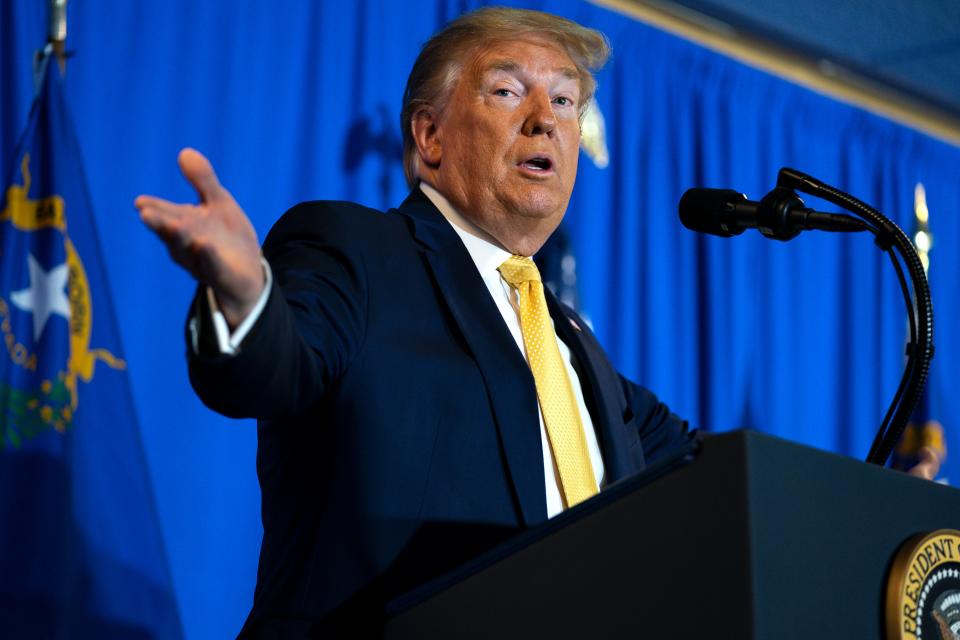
(57, 32)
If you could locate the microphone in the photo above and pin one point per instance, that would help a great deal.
(780, 215)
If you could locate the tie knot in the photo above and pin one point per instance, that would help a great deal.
(519, 269)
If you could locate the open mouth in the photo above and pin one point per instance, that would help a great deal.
(538, 164)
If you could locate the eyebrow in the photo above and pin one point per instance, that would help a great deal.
(511, 66)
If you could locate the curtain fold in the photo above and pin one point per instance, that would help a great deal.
(300, 100)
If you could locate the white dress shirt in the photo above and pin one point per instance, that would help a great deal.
(487, 255)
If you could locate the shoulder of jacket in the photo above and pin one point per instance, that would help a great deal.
(330, 219)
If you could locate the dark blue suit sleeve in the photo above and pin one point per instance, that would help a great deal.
(661, 431)
(309, 331)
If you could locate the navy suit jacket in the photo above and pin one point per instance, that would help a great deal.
(398, 433)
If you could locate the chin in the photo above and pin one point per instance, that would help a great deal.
(536, 203)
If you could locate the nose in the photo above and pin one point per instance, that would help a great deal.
(540, 118)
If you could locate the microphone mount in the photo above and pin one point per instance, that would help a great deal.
(781, 215)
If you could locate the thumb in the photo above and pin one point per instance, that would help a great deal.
(199, 172)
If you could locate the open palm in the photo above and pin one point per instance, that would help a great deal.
(213, 240)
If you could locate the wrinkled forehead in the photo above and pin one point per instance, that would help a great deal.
(525, 53)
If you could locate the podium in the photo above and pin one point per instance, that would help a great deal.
(748, 536)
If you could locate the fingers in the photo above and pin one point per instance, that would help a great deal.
(173, 227)
(157, 213)
(199, 172)
(168, 227)
(152, 202)
(172, 223)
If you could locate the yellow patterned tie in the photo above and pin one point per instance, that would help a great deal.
(560, 414)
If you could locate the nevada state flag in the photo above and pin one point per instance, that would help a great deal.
(81, 555)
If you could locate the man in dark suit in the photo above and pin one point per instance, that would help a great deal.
(420, 397)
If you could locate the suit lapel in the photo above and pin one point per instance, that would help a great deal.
(508, 379)
(600, 383)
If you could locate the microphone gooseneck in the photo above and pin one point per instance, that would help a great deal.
(781, 215)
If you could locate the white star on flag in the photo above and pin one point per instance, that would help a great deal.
(47, 295)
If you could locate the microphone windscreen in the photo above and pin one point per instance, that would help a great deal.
(710, 211)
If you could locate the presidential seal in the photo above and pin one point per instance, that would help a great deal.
(923, 590)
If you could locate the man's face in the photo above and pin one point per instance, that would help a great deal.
(509, 140)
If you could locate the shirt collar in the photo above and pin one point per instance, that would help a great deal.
(484, 251)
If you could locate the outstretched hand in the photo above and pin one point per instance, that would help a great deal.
(213, 240)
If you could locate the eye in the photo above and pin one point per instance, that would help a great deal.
(563, 101)
(503, 93)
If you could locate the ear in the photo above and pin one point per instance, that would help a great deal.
(424, 125)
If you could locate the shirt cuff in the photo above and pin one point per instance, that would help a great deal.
(229, 343)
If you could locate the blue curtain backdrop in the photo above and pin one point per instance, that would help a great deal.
(300, 100)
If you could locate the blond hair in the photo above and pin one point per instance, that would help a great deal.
(441, 60)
